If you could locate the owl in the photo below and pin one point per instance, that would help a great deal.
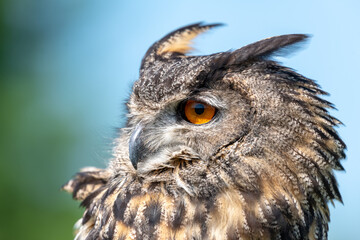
(230, 145)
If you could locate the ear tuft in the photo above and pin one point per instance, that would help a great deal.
(177, 42)
(278, 45)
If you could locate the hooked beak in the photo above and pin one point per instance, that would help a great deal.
(136, 146)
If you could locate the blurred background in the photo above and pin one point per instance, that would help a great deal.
(66, 68)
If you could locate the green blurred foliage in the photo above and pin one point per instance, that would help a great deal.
(36, 143)
(33, 146)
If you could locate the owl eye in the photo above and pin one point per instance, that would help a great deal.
(198, 112)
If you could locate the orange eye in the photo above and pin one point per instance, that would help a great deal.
(198, 112)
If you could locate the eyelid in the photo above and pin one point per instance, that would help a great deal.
(208, 99)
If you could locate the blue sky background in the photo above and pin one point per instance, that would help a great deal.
(91, 53)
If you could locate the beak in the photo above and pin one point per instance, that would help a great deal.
(136, 145)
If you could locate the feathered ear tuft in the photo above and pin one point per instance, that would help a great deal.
(86, 182)
(176, 43)
(279, 45)
(179, 41)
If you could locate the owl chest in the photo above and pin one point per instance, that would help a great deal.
(157, 216)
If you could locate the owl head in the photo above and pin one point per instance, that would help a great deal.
(264, 121)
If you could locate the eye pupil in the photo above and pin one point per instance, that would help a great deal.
(199, 108)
